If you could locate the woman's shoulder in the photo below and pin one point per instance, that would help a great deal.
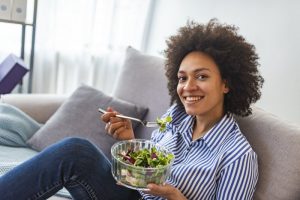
(237, 146)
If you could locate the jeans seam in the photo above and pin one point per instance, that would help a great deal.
(87, 188)
(40, 194)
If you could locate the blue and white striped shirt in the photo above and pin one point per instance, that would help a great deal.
(220, 165)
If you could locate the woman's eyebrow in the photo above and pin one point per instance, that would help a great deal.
(195, 71)
(202, 69)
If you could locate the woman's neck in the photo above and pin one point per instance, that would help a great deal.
(204, 124)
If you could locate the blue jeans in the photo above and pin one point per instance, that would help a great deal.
(73, 163)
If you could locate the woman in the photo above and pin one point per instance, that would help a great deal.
(212, 76)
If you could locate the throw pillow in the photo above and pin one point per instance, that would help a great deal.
(78, 116)
(149, 70)
(15, 126)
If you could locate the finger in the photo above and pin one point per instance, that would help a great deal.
(110, 109)
(153, 187)
(117, 132)
(107, 116)
(110, 129)
(160, 190)
(107, 125)
(116, 119)
(115, 125)
(127, 122)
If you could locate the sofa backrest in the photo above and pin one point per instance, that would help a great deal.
(142, 81)
(277, 143)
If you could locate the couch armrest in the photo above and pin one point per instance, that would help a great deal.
(39, 106)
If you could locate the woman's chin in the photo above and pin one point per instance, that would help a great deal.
(190, 111)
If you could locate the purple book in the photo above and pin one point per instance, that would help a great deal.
(12, 70)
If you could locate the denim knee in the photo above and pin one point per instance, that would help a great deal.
(76, 147)
(75, 142)
(79, 153)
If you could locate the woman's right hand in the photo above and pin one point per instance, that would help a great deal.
(120, 129)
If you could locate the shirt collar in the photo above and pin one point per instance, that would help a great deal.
(219, 132)
(185, 128)
(213, 138)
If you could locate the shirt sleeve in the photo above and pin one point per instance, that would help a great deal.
(238, 180)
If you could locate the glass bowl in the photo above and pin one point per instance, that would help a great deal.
(136, 177)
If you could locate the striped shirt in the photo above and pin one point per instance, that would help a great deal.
(219, 165)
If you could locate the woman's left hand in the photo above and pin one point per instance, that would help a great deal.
(166, 191)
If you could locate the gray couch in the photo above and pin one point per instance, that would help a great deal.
(142, 81)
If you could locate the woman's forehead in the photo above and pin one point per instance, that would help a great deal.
(197, 61)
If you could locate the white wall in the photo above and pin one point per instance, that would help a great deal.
(273, 26)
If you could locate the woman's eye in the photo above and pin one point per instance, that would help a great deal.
(201, 77)
(181, 78)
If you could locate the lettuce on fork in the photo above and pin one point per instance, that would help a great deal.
(162, 122)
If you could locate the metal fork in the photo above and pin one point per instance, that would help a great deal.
(143, 122)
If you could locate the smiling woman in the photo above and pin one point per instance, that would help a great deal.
(212, 158)
(212, 75)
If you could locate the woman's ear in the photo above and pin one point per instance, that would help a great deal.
(226, 88)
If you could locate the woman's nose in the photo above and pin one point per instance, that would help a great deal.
(190, 85)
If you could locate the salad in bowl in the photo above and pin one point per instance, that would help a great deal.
(138, 162)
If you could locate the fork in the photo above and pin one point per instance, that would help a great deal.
(143, 122)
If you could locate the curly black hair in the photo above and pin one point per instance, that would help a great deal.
(234, 56)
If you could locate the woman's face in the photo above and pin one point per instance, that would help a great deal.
(200, 85)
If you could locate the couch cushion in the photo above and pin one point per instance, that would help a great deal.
(277, 144)
(78, 116)
(142, 81)
(12, 156)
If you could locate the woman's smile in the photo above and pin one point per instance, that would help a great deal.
(192, 99)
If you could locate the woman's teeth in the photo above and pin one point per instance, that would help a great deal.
(192, 99)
